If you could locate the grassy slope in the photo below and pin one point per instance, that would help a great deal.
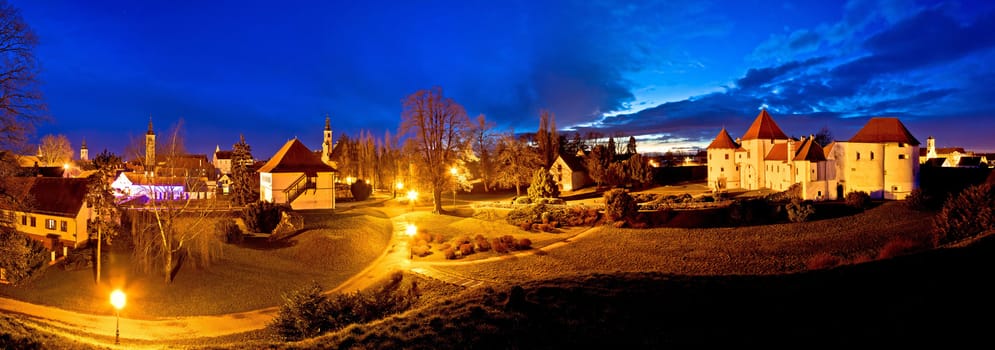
(939, 297)
(767, 249)
(254, 275)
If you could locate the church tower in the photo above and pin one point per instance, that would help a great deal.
(150, 149)
(84, 154)
(930, 148)
(326, 145)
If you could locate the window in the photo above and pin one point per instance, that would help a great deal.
(709, 156)
(722, 169)
(858, 155)
(727, 157)
(901, 156)
(872, 155)
(65, 226)
(24, 220)
(901, 144)
(50, 224)
(32, 221)
(737, 168)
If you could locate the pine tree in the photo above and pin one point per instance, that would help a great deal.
(543, 185)
(244, 189)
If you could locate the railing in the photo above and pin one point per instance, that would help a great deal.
(299, 186)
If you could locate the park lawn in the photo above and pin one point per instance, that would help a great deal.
(248, 276)
(749, 250)
(451, 227)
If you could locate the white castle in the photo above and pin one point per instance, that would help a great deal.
(882, 159)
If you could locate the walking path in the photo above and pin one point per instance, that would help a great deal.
(97, 329)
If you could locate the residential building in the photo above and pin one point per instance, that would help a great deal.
(54, 210)
(570, 172)
(297, 176)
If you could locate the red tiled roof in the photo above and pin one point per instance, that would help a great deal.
(826, 151)
(723, 140)
(294, 157)
(778, 152)
(882, 130)
(810, 150)
(764, 128)
(55, 195)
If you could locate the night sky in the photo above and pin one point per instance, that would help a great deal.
(672, 73)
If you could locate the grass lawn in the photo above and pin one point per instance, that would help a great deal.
(252, 275)
(450, 227)
(766, 249)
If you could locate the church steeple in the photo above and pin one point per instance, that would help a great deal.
(84, 153)
(150, 149)
(326, 145)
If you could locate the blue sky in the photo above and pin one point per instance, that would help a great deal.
(671, 73)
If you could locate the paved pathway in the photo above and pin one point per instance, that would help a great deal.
(99, 329)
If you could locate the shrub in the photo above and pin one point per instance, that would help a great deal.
(822, 261)
(304, 314)
(421, 251)
(523, 244)
(965, 215)
(262, 216)
(799, 211)
(858, 200)
(619, 205)
(522, 200)
(499, 246)
(793, 192)
(751, 211)
(483, 245)
(228, 231)
(525, 214)
(901, 246)
(579, 216)
(526, 226)
(360, 190)
(923, 200)
(20, 256)
(465, 249)
(449, 253)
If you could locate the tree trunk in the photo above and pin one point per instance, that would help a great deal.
(169, 266)
(437, 200)
(518, 190)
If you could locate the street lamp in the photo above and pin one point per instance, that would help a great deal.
(118, 301)
(453, 171)
(412, 196)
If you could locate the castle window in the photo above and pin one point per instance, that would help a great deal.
(872, 155)
(727, 156)
(737, 168)
(858, 155)
(901, 144)
(722, 169)
(894, 188)
(901, 156)
(709, 157)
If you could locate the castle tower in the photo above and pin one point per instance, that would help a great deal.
(84, 154)
(326, 145)
(150, 149)
(723, 173)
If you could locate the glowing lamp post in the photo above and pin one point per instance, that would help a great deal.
(118, 300)
(397, 187)
(412, 196)
(453, 172)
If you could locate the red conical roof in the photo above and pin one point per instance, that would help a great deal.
(764, 128)
(723, 140)
(881, 130)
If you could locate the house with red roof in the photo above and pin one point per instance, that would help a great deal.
(297, 176)
(881, 159)
(53, 210)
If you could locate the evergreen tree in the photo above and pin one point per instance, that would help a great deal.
(543, 185)
(244, 189)
(630, 148)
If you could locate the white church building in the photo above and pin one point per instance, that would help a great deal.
(881, 159)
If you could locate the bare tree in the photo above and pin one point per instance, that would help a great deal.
(517, 161)
(55, 150)
(437, 137)
(483, 147)
(547, 138)
(21, 102)
(174, 226)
